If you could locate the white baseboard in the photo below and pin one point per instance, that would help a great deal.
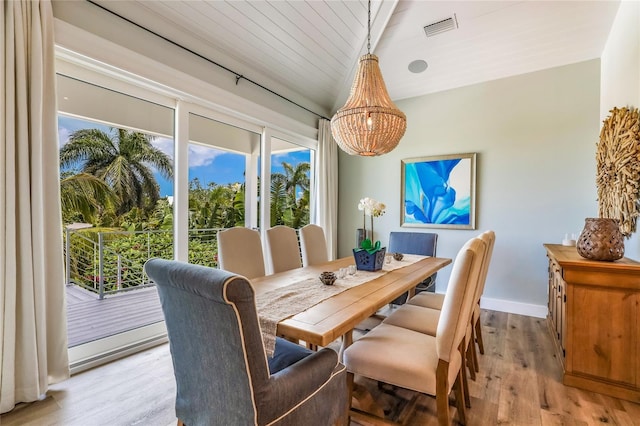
(528, 309)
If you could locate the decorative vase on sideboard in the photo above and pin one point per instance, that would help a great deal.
(601, 239)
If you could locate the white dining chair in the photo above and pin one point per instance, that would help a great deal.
(434, 301)
(240, 252)
(284, 252)
(426, 321)
(313, 245)
(423, 313)
(416, 361)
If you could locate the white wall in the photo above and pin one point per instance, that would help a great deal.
(620, 78)
(535, 136)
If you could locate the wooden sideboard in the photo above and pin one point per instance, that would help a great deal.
(594, 317)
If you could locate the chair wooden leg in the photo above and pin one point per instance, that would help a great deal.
(465, 388)
(442, 393)
(476, 363)
(478, 328)
(470, 358)
(476, 366)
(180, 423)
(457, 386)
(350, 379)
(465, 383)
(473, 359)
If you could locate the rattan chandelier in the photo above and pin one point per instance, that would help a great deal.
(369, 123)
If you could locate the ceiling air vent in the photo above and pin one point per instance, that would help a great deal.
(441, 26)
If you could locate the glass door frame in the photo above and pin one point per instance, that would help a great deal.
(91, 71)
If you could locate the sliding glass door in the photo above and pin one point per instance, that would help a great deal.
(223, 170)
(290, 184)
(116, 155)
(144, 174)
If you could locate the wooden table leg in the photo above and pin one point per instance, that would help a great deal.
(347, 340)
(411, 293)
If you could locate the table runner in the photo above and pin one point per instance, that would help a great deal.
(279, 304)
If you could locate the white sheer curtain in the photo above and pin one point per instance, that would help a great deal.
(327, 187)
(33, 338)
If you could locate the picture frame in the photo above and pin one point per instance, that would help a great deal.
(439, 192)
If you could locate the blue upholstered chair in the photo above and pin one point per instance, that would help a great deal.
(422, 243)
(222, 373)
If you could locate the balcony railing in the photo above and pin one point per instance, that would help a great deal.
(112, 262)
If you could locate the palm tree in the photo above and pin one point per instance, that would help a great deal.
(287, 207)
(279, 199)
(300, 216)
(297, 176)
(122, 159)
(85, 194)
(216, 206)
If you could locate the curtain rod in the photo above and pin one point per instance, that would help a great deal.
(236, 74)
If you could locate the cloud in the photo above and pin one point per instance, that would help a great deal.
(63, 135)
(281, 157)
(198, 155)
(165, 145)
(201, 155)
(292, 157)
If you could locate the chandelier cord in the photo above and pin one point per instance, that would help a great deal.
(369, 28)
(369, 123)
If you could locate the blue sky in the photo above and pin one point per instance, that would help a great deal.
(207, 164)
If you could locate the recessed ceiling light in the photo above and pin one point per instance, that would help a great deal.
(417, 66)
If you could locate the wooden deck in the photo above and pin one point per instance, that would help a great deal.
(89, 318)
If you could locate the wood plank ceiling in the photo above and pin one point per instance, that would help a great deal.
(308, 50)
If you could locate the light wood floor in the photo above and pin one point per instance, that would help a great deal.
(519, 384)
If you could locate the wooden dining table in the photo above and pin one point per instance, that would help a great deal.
(337, 316)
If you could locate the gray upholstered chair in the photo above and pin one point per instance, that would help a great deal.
(284, 251)
(422, 243)
(432, 365)
(240, 252)
(222, 373)
(313, 245)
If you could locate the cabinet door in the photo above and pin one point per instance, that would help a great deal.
(637, 297)
(558, 312)
(563, 316)
(559, 308)
(552, 292)
(604, 334)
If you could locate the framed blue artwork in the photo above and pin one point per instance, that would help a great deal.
(439, 192)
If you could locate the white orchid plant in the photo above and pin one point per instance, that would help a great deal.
(373, 208)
